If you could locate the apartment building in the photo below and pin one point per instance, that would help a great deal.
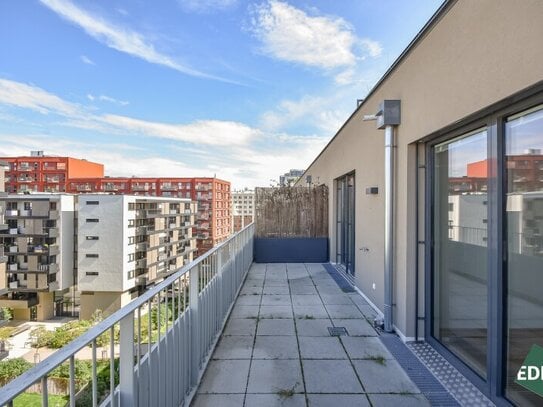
(435, 208)
(213, 218)
(3, 226)
(290, 178)
(127, 243)
(39, 245)
(243, 208)
(42, 173)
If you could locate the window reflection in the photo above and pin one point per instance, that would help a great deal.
(524, 205)
(460, 247)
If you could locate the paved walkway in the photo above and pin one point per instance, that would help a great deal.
(276, 349)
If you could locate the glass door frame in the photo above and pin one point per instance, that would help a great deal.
(493, 119)
(345, 244)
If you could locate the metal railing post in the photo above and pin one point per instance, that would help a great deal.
(126, 362)
(194, 278)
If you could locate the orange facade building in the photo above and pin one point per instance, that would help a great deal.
(39, 173)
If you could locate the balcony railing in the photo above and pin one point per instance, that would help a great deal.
(196, 299)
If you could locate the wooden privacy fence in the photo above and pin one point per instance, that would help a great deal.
(288, 212)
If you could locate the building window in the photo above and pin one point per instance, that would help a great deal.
(93, 203)
(131, 257)
(130, 274)
(131, 206)
(91, 273)
(130, 239)
(91, 255)
(91, 237)
(130, 223)
(91, 220)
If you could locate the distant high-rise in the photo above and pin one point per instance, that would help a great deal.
(243, 208)
(289, 179)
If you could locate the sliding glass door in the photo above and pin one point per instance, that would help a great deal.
(345, 201)
(485, 250)
(459, 222)
(524, 220)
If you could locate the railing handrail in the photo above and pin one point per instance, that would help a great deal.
(22, 382)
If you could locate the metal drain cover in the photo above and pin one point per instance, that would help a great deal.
(337, 331)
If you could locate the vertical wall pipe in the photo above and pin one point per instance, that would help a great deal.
(390, 147)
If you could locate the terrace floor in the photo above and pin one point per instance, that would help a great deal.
(276, 349)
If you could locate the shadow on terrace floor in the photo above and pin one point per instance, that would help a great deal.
(276, 349)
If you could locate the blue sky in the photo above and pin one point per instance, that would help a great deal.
(241, 89)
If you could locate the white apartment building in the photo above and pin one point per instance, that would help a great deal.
(39, 245)
(126, 243)
(243, 208)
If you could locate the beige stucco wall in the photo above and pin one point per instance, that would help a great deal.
(107, 302)
(477, 54)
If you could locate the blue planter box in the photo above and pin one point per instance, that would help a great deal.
(291, 250)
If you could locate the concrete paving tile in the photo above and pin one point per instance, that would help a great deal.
(225, 376)
(365, 347)
(278, 327)
(274, 400)
(244, 311)
(367, 311)
(276, 311)
(249, 299)
(254, 282)
(329, 289)
(234, 347)
(307, 299)
(343, 311)
(276, 300)
(272, 376)
(356, 327)
(276, 290)
(240, 326)
(397, 400)
(303, 289)
(276, 347)
(315, 347)
(313, 327)
(387, 378)
(330, 376)
(214, 400)
(308, 311)
(339, 299)
(339, 400)
(251, 290)
(305, 280)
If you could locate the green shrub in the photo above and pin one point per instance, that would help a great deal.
(11, 368)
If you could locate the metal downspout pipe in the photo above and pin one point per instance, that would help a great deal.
(388, 117)
(390, 156)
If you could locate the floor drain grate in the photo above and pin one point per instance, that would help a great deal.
(337, 331)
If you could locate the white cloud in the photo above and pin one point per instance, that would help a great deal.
(106, 98)
(374, 48)
(31, 97)
(209, 132)
(326, 114)
(212, 132)
(288, 33)
(119, 38)
(207, 6)
(242, 154)
(85, 59)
